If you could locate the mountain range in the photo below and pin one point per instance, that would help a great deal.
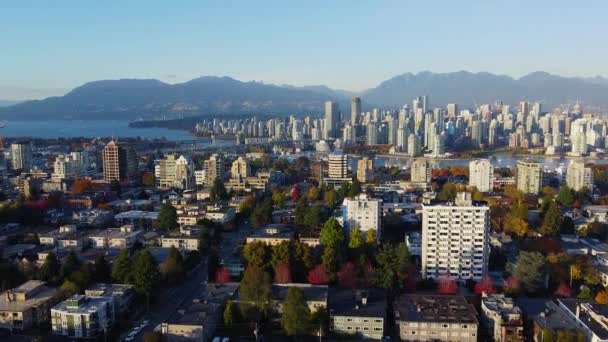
(209, 95)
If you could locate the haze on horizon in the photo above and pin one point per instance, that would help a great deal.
(54, 47)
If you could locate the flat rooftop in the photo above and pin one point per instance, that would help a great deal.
(435, 308)
(347, 302)
(43, 294)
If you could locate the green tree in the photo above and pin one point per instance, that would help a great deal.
(173, 269)
(257, 254)
(167, 218)
(393, 264)
(303, 261)
(83, 276)
(281, 254)
(332, 234)
(148, 180)
(330, 198)
(552, 221)
(231, 314)
(313, 193)
(261, 213)
(565, 197)
(354, 189)
(255, 292)
(331, 261)
(548, 335)
(295, 318)
(370, 237)
(146, 277)
(567, 226)
(121, 272)
(448, 192)
(218, 191)
(116, 187)
(102, 270)
(355, 239)
(69, 265)
(279, 198)
(529, 269)
(585, 294)
(313, 216)
(50, 270)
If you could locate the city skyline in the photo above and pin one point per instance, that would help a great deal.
(350, 47)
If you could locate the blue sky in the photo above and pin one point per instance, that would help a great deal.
(48, 47)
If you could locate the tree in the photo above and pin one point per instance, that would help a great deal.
(370, 237)
(512, 285)
(255, 292)
(313, 216)
(516, 226)
(153, 336)
(81, 185)
(173, 269)
(68, 288)
(552, 220)
(393, 266)
(448, 192)
(222, 275)
(567, 226)
(231, 314)
(313, 193)
(69, 265)
(83, 276)
(281, 254)
(295, 194)
(218, 191)
(331, 261)
(332, 234)
(563, 290)
(257, 254)
(295, 319)
(318, 276)
(447, 286)
(167, 218)
(602, 297)
(116, 187)
(302, 261)
(279, 198)
(565, 197)
(354, 189)
(347, 276)
(121, 272)
(485, 286)
(355, 240)
(585, 294)
(548, 335)
(261, 213)
(529, 269)
(148, 180)
(282, 274)
(330, 198)
(50, 270)
(102, 270)
(146, 277)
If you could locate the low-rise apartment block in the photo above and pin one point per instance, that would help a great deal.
(82, 317)
(27, 305)
(357, 312)
(123, 237)
(502, 318)
(436, 318)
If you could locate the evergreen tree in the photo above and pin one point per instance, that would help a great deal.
(173, 269)
(281, 254)
(552, 221)
(69, 265)
(331, 261)
(257, 254)
(102, 270)
(393, 264)
(313, 216)
(218, 191)
(50, 270)
(146, 277)
(354, 189)
(529, 269)
(370, 237)
(565, 197)
(295, 319)
(167, 218)
(121, 272)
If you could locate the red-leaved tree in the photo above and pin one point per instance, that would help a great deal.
(512, 285)
(563, 290)
(447, 286)
(295, 194)
(318, 276)
(484, 286)
(347, 276)
(222, 275)
(282, 274)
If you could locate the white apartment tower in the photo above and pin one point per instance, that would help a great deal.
(578, 176)
(529, 176)
(481, 175)
(21, 155)
(362, 212)
(455, 239)
(240, 168)
(338, 165)
(421, 171)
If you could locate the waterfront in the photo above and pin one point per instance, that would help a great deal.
(87, 128)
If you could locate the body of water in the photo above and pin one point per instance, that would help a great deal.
(87, 128)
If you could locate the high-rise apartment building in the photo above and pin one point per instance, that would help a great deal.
(529, 176)
(365, 170)
(338, 165)
(413, 145)
(240, 168)
(119, 162)
(452, 110)
(355, 110)
(421, 171)
(455, 239)
(175, 172)
(364, 213)
(579, 176)
(481, 175)
(21, 155)
(332, 120)
(214, 169)
(66, 167)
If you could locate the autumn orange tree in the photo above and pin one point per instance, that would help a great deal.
(602, 297)
(81, 185)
